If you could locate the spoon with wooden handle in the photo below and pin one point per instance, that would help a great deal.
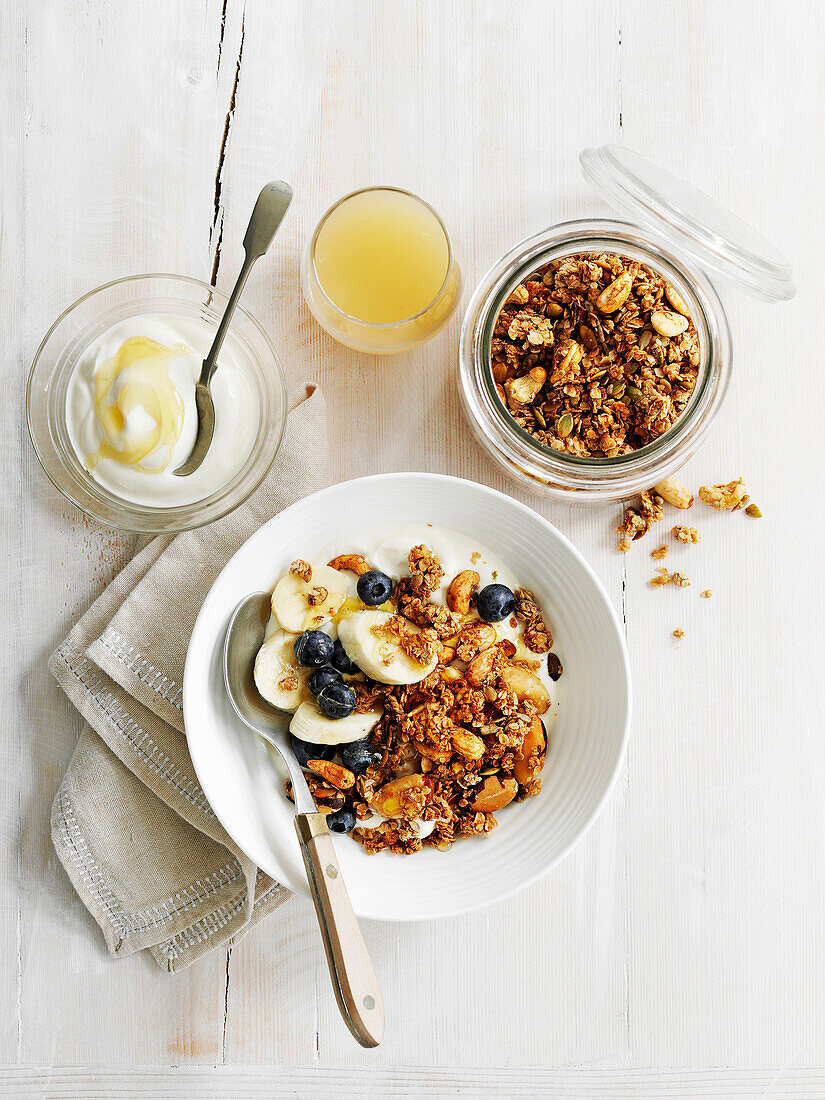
(356, 986)
(273, 203)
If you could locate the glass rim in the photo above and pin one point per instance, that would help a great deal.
(155, 519)
(385, 325)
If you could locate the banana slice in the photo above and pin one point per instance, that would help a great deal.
(377, 652)
(310, 724)
(278, 677)
(292, 596)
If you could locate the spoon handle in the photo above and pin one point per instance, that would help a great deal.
(356, 986)
(273, 203)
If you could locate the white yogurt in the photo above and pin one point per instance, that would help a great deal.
(153, 482)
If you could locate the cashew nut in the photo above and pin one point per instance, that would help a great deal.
(526, 686)
(461, 588)
(480, 669)
(474, 638)
(352, 562)
(522, 390)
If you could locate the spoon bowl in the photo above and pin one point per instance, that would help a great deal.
(244, 637)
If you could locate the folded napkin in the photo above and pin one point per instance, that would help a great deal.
(130, 823)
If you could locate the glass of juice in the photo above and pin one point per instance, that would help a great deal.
(379, 272)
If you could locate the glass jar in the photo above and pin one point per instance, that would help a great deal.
(681, 234)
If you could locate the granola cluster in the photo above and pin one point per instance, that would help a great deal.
(595, 355)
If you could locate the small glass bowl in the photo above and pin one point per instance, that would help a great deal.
(555, 472)
(368, 336)
(85, 321)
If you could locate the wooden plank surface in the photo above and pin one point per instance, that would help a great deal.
(684, 931)
(285, 1083)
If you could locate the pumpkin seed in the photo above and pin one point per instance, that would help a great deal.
(617, 389)
(489, 771)
(753, 511)
(564, 425)
(540, 417)
(634, 394)
(554, 668)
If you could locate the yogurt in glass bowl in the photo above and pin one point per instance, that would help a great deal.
(110, 404)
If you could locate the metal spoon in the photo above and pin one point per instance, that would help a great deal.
(273, 203)
(353, 978)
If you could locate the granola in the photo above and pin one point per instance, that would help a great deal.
(684, 534)
(435, 753)
(589, 357)
(301, 569)
(663, 577)
(637, 521)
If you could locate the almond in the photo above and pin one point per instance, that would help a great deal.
(494, 794)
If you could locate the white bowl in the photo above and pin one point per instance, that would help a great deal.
(587, 741)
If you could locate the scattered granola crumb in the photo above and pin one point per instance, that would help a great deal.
(317, 595)
(659, 553)
(753, 511)
(680, 579)
(637, 521)
(706, 595)
(725, 498)
(685, 534)
(678, 633)
(662, 578)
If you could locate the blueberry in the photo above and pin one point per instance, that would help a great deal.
(337, 700)
(306, 750)
(323, 676)
(374, 588)
(358, 755)
(313, 648)
(341, 821)
(495, 602)
(341, 661)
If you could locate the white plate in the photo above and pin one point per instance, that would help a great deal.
(588, 738)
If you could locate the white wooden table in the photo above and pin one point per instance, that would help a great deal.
(680, 950)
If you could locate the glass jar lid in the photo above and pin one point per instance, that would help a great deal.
(690, 221)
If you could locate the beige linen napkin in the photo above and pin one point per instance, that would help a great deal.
(130, 823)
